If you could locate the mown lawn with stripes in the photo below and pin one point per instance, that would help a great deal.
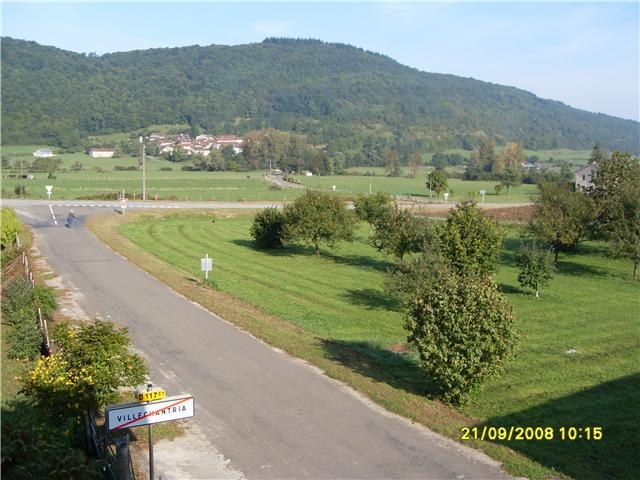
(338, 295)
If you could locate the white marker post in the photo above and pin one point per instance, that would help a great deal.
(206, 265)
(123, 204)
(483, 193)
(49, 190)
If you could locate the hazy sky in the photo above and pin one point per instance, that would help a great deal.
(586, 55)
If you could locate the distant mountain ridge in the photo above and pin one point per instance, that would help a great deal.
(336, 94)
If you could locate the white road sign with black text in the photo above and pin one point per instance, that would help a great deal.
(128, 415)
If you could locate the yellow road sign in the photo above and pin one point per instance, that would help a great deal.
(149, 396)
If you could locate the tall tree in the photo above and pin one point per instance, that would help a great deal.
(391, 162)
(414, 162)
(436, 182)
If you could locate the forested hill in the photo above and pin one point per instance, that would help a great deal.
(337, 94)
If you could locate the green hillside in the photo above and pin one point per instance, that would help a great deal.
(336, 94)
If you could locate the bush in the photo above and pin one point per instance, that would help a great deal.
(83, 369)
(25, 338)
(16, 295)
(35, 445)
(268, 228)
(19, 309)
(464, 330)
(10, 227)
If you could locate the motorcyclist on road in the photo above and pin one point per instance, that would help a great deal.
(71, 218)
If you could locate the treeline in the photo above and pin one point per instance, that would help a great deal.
(336, 95)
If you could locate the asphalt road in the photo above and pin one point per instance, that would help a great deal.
(266, 414)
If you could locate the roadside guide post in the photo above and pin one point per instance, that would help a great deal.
(483, 193)
(49, 189)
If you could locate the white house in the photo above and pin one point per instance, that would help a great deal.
(584, 177)
(43, 153)
(101, 152)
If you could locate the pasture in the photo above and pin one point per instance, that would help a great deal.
(576, 366)
(103, 178)
(106, 177)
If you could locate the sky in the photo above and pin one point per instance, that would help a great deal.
(584, 54)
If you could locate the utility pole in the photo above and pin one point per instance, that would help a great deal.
(144, 187)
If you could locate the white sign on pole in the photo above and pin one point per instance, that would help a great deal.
(128, 415)
(206, 265)
(49, 190)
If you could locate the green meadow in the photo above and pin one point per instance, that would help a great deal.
(577, 364)
(102, 178)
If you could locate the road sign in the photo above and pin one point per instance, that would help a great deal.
(129, 415)
(206, 265)
(123, 202)
(150, 395)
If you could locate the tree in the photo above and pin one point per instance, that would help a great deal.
(536, 267)
(391, 162)
(616, 194)
(512, 155)
(318, 217)
(400, 231)
(470, 241)
(508, 165)
(463, 329)
(267, 229)
(561, 217)
(414, 162)
(370, 208)
(436, 182)
(482, 158)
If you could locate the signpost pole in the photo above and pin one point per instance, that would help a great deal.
(206, 269)
(151, 475)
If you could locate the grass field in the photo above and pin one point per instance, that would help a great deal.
(104, 177)
(577, 365)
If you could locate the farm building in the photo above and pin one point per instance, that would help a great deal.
(101, 152)
(43, 153)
